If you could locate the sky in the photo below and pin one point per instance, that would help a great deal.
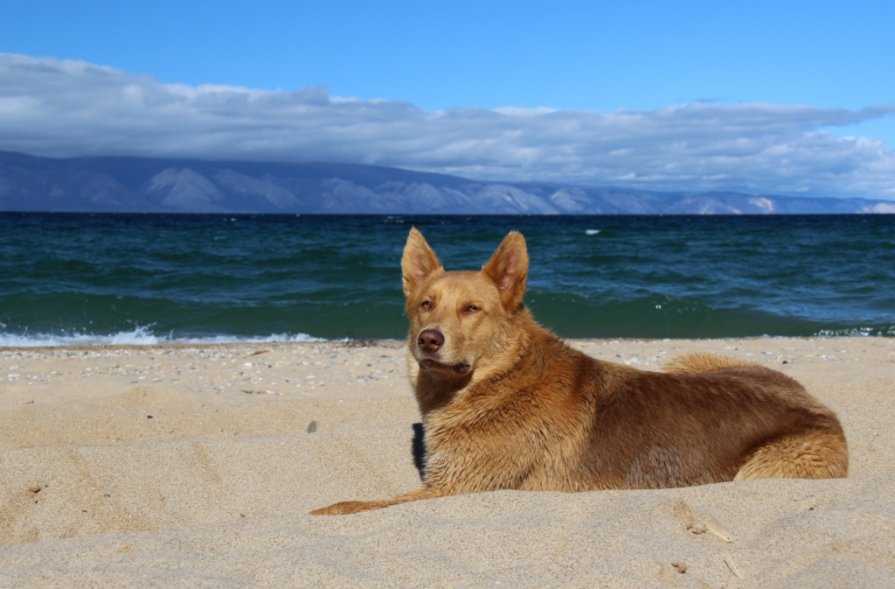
(783, 97)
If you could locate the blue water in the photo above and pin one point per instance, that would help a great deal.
(76, 279)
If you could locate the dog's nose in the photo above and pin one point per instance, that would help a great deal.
(430, 340)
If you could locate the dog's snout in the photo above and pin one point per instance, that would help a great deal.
(430, 340)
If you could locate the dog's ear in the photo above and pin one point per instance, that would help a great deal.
(418, 262)
(508, 269)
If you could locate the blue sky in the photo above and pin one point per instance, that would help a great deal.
(779, 97)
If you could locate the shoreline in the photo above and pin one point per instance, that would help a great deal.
(389, 341)
(195, 465)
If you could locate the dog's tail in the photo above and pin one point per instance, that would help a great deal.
(696, 363)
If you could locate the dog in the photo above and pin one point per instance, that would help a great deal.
(506, 404)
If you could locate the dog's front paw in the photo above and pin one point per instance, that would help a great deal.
(345, 508)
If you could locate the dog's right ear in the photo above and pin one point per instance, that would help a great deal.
(418, 262)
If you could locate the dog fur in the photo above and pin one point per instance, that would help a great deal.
(508, 405)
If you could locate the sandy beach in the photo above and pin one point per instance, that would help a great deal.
(195, 466)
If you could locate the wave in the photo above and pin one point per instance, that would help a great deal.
(664, 316)
(863, 331)
(139, 336)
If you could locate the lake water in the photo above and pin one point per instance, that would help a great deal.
(92, 279)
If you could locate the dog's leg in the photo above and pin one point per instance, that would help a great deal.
(347, 507)
(816, 454)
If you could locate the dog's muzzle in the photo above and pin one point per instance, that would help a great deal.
(429, 342)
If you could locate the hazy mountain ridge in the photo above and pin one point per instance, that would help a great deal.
(131, 184)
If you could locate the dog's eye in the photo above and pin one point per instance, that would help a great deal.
(426, 305)
(472, 308)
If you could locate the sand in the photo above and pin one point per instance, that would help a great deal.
(184, 466)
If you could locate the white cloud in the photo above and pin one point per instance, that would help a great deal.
(66, 108)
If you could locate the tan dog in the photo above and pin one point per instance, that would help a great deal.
(507, 405)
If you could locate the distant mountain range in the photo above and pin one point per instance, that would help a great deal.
(136, 184)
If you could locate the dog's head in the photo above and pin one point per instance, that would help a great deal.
(458, 320)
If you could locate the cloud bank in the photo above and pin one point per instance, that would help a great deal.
(56, 107)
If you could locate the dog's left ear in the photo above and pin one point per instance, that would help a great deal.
(508, 268)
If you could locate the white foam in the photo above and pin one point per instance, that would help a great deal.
(140, 336)
(857, 332)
